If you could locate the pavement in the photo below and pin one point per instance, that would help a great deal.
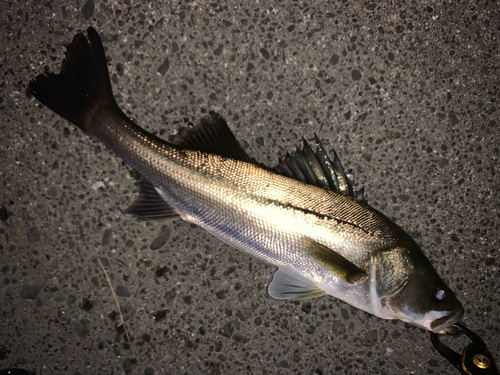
(406, 91)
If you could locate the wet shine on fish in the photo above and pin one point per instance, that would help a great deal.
(304, 216)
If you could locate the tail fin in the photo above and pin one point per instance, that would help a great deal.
(82, 83)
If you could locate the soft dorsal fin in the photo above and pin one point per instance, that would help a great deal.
(316, 168)
(149, 205)
(211, 135)
(288, 284)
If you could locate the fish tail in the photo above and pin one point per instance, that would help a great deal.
(82, 85)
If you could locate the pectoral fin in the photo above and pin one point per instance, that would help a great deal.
(290, 285)
(334, 262)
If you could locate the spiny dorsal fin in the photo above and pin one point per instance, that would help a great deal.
(213, 136)
(149, 205)
(316, 168)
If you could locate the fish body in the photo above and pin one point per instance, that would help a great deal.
(304, 216)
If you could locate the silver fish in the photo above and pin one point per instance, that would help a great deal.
(304, 216)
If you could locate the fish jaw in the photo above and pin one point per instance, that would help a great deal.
(444, 324)
(438, 321)
(435, 321)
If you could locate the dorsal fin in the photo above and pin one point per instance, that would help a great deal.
(211, 135)
(316, 168)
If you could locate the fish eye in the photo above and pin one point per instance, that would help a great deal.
(440, 294)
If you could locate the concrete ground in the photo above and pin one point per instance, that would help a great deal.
(406, 91)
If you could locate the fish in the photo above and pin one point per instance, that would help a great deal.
(305, 215)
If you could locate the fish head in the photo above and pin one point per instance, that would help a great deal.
(406, 286)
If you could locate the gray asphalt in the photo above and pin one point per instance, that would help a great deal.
(406, 92)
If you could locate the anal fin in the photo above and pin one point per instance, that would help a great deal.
(149, 205)
(288, 284)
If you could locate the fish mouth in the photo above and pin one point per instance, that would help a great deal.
(444, 325)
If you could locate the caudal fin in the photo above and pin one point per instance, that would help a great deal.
(82, 84)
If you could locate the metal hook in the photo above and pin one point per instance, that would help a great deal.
(476, 359)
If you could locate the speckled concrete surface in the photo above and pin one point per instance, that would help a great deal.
(407, 93)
